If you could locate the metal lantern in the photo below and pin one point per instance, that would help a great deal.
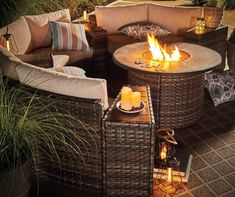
(165, 160)
(9, 41)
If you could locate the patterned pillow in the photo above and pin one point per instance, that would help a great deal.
(140, 31)
(220, 86)
(67, 36)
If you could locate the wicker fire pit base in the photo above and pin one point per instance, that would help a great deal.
(177, 100)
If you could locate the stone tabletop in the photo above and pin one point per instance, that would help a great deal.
(202, 59)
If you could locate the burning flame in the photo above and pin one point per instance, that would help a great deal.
(161, 54)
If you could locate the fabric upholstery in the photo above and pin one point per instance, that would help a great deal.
(21, 36)
(70, 70)
(220, 86)
(176, 19)
(112, 18)
(74, 56)
(39, 27)
(59, 60)
(46, 79)
(68, 36)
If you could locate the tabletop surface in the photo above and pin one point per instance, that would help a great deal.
(201, 59)
(141, 117)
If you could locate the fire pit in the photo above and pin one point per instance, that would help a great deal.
(176, 83)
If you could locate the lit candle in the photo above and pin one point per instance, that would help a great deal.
(163, 153)
(135, 99)
(169, 174)
(200, 25)
(85, 15)
(8, 45)
(126, 103)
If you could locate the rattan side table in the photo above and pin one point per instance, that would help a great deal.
(128, 150)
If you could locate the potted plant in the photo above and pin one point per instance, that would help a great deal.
(26, 119)
(231, 52)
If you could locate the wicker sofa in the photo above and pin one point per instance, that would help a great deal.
(83, 97)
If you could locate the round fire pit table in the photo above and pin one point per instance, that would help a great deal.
(177, 88)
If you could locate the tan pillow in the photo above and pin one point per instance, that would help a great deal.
(40, 29)
(175, 19)
(112, 18)
(21, 37)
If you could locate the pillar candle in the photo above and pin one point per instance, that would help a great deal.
(135, 99)
(126, 103)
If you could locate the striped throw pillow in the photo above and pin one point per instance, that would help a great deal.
(67, 36)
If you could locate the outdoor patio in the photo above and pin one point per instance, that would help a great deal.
(126, 98)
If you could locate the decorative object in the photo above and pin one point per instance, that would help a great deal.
(85, 17)
(140, 30)
(136, 99)
(221, 87)
(8, 41)
(200, 25)
(165, 151)
(68, 36)
(126, 98)
(27, 119)
(231, 53)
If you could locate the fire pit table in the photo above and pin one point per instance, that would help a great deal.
(177, 88)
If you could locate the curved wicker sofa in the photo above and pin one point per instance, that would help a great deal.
(85, 98)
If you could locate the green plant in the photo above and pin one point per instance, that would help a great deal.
(232, 37)
(27, 119)
(198, 2)
(214, 3)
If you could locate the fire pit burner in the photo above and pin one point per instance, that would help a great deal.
(177, 87)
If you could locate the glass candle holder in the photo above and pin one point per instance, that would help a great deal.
(200, 25)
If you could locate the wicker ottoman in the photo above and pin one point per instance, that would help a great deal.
(128, 150)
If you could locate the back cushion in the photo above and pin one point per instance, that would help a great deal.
(21, 36)
(49, 80)
(40, 29)
(112, 18)
(175, 19)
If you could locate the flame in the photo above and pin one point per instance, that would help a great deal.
(161, 54)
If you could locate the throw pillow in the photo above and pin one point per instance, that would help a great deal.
(70, 70)
(220, 86)
(67, 36)
(140, 31)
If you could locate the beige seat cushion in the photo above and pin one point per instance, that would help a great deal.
(52, 81)
(39, 27)
(174, 18)
(74, 56)
(112, 18)
(21, 36)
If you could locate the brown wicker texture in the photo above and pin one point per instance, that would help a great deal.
(177, 99)
(128, 155)
(73, 171)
